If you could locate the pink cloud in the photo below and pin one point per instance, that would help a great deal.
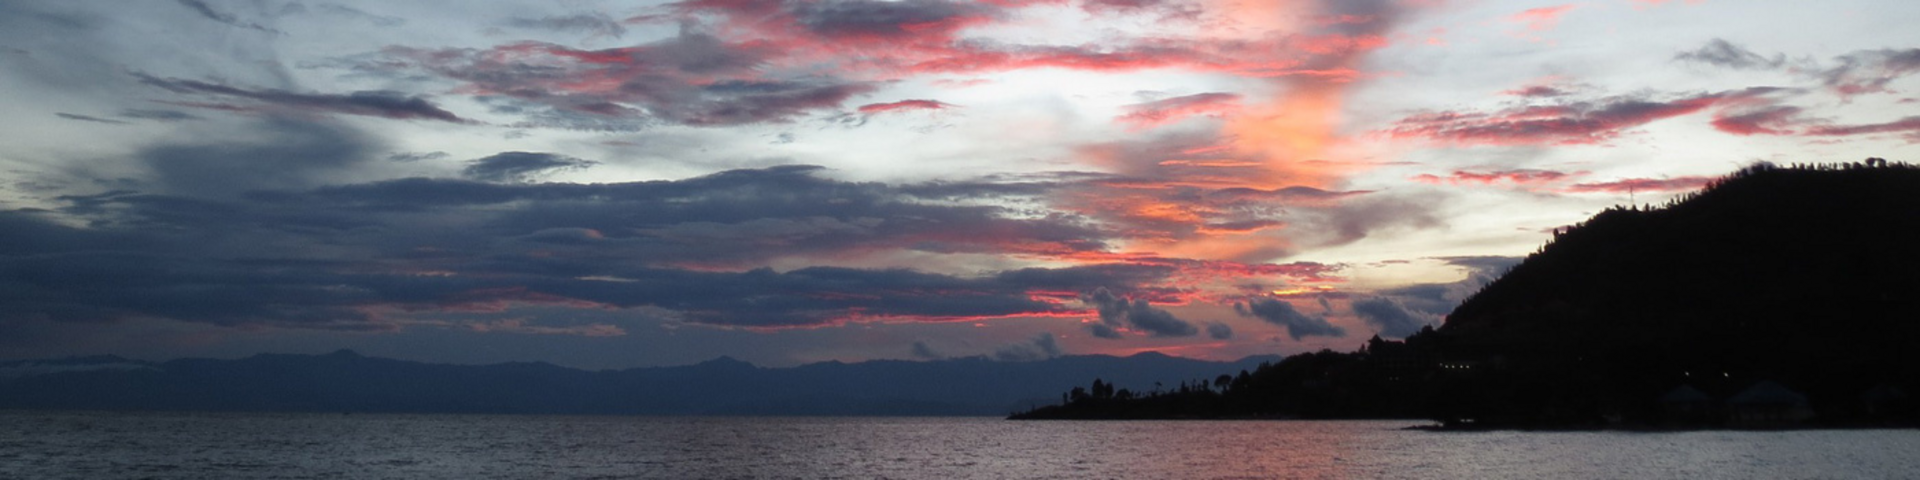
(1645, 4)
(904, 105)
(1169, 110)
(1775, 120)
(1643, 184)
(1909, 126)
(1520, 176)
(1569, 123)
(1541, 19)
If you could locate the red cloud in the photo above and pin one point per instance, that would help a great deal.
(874, 108)
(1644, 184)
(1164, 111)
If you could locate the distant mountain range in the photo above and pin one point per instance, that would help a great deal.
(1776, 295)
(345, 381)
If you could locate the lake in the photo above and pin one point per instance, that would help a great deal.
(250, 445)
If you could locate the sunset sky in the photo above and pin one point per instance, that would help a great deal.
(617, 184)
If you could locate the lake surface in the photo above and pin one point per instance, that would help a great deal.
(187, 445)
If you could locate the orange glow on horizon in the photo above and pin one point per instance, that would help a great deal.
(1302, 290)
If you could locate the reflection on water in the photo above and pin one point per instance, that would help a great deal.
(113, 445)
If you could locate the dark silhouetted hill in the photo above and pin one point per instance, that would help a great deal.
(1803, 280)
(348, 382)
(1808, 276)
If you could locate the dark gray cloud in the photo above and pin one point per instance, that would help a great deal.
(922, 351)
(1219, 331)
(1298, 325)
(1116, 311)
(1439, 299)
(355, 13)
(1042, 347)
(157, 115)
(279, 153)
(1719, 52)
(210, 13)
(884, 19)
(1389, 317)
(1855, 73)
(592, 23)
(373, 103)
(1102, 330)
(1356, 219)
(85, 118)
(1567, 122)
(409, 157)
(692, 78)
(1870, 71)
(353, 256)
(1166, 9)
(521, 167)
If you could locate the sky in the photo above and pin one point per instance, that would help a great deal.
(606, 184)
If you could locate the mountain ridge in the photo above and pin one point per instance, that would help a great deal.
(347, 381)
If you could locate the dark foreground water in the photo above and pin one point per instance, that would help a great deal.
(167, 445)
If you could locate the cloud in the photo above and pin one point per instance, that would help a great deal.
(524, 327)
(1042, 347)
(1565, 123)
(1518, 176)
(1356, 219)
(1390, 318)
(598, 24)
(204, 10)
(1870, 71)
(1855, 73)
(157, 115)
(1644, 185)
(1540, 91)
(1298, 325)
(1169, 110)
(692, 78)
(903, 105)
(1769, 120)
(354, 13)
(883, 20)
(1789, 120)
(279, 153)
(85, 118)
(1164, 9)
(1542, 18)
(1116, 311)
(1910, 126)
(1719, 52)
(1102, 330)
(1219, 331)
(922, 351)
(1436, 300)
(285, 252)
(376, 104)
(521, 167)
